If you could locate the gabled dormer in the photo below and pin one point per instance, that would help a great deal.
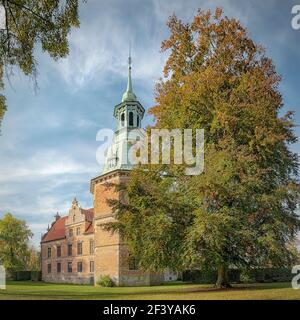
(75, 213)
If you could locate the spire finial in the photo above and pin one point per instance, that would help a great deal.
(129, 57)
(129, 95)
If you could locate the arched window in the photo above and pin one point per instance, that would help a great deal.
(137, 121)
(122, 119)
(131, 119)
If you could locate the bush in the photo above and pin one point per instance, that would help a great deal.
(23, 275)
(266, 275)
(105, 281)
(36, 275)
(248, 276)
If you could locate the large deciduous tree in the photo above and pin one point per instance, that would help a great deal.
(28, 23)
(241, 211)
(14, 235)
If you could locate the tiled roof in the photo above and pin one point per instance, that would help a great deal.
(57, 230)
(89, 229)
(89, 214)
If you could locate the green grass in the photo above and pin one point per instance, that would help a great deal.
(39, 290)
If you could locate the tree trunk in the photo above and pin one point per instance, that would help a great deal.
(223, 280)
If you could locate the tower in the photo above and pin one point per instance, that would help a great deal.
(129, 114)
(111, 254)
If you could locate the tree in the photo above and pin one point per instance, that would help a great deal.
(33, 262)
(241, 212)
(15, 235)
(29, 23)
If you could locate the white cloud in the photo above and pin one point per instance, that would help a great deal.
(44, 163)
(99, 49)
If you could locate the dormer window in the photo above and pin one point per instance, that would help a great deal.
(131, 119)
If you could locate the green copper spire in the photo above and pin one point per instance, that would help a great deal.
(129, 95)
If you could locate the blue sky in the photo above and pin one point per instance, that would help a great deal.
(48, 143)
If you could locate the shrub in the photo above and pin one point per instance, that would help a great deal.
(23, 275)
(105, 281)
(261, 275)
(247, 276)
(36, 275)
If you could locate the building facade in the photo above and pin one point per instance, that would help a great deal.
(77, 248)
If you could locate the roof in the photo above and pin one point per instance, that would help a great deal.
(89, 214)
(58, 230)
(89, 229)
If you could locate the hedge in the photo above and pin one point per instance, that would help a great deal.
(264, 275)
(25, 275)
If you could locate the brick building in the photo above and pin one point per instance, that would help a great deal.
(76, 248)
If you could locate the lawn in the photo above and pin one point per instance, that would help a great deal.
(38, 290)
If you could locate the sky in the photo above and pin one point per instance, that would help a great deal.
(48, 136)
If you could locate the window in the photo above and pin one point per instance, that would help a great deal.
(49, 267)
(79, 248)
(130, 118)
(70, 267)
(132, 263)
(91, 266)
(122, 119)
(79, 266)
(49, 252)
(70, 232)
(58, 251)
(92, 246)
(58, 267)
(69, 249)
(137, 121)
(74, 218)
(78, 231)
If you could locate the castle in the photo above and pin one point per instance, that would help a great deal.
(76, 248)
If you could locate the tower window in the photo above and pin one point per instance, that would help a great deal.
(122, 118)
(137, 121)
(131, 119)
